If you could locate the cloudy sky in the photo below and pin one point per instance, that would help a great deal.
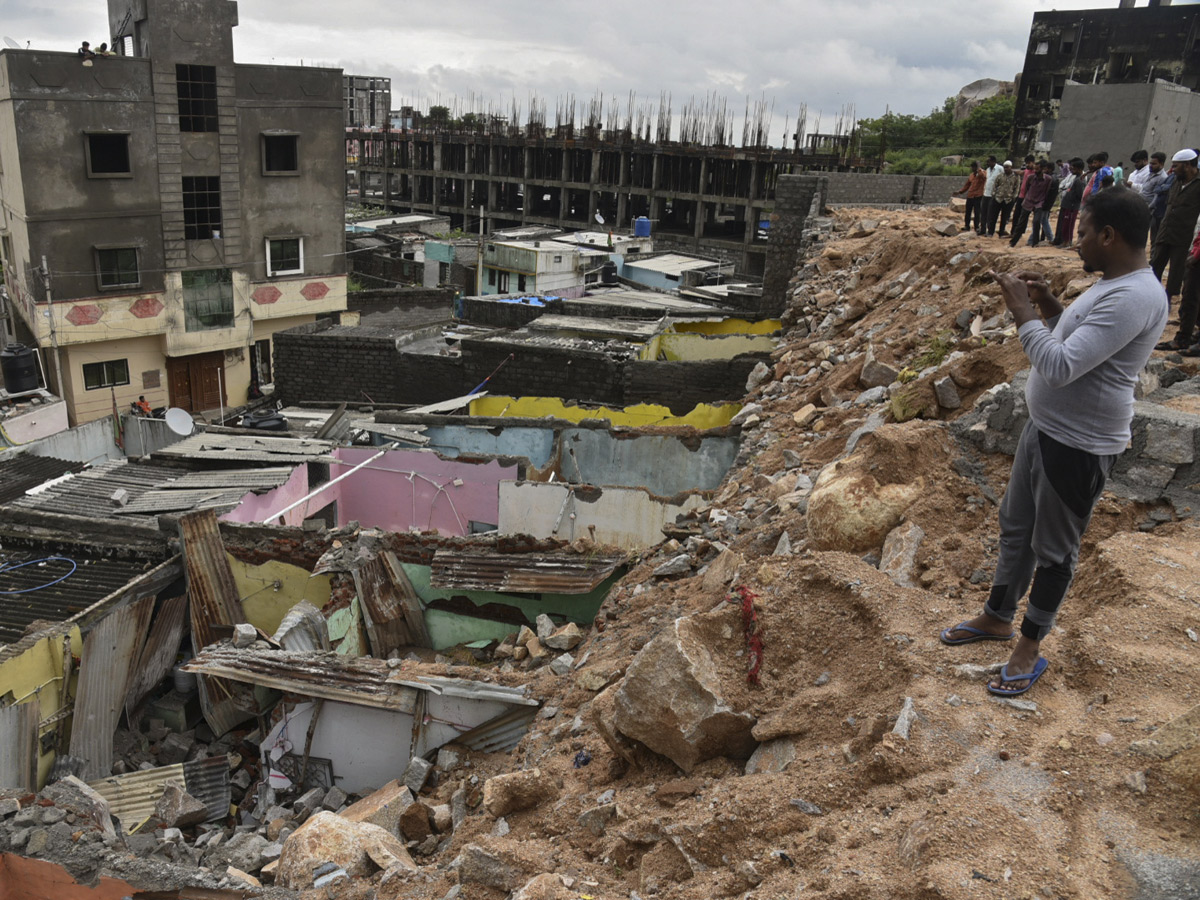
(828, 54)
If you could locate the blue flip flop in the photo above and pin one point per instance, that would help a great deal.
(1038, 668)
(976, 634)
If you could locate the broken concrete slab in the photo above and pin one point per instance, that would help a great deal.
(383, 807)
(176, 808)
(358, 847)
(672, 701)
(515, 791)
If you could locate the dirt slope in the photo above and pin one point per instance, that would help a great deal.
(984, 799)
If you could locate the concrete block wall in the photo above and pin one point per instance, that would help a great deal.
(333, 363)
(681, 385)
(543, 371)
(484, 311)
(869, 189)
(793, 199)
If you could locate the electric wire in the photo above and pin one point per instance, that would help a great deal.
(12, 567)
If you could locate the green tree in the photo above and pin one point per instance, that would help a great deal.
(990, 122)
(438, 116)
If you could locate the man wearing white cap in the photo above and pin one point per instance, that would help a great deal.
(1174, 237)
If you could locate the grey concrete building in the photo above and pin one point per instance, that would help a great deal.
(368, 100)
(1122, 44)
(166, 211)
(1122, 118)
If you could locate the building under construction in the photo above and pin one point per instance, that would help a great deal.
(702, 191)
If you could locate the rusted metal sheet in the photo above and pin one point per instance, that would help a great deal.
(303, 629)
(214, 600)
(208, 781)
(501, 734)
(329, 676)
(19, 745)
(390, 606)
(158, 654)
(110, 653)
(524, 573)
(132, 797)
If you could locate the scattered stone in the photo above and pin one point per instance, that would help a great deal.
(876, 374)
(176, 808)
(809, 809)
(242, 851)
(721, 571)
(760, 373)
(749, 873)
(1104, 739)
(1017, 703)
(244, 877)
(335, 799)
(946, 392)
(822, 679)
(416, 774)
(545, 627)
(448, 759)
(784, 546)
(673, 703)
(515, 791)
(898, 560)
(804, 415)
(772, 757)
(546, 886)
(566, 638)
(792, 459)
(1192, 636)
(359, 848)
(1136, 782)
(52, 815)
(904, 722)
(750, 409)
(862, 228)
(310, 801)
(871, 397)
(478, 866)
(244, 635)
(416, 822)
(442, 820)
(175, 748)
(597, 819)
(591, 680)
(676, 565)
(946, 228)
(954, 700)
(9, 806)
(561, 665)
(975, 672)
(501, 828)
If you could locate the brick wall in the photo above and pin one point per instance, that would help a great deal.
(482, 311)
(333, 363)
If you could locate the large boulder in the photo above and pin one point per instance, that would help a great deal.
(176, 808)
(358, 847)
(857, 500)
(672, 699)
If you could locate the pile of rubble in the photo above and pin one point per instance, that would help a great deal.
(762, 707)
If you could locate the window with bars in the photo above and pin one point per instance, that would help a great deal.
(110, 373)
(207, 299)
(117, 267)
(197, 90)
(201, 207)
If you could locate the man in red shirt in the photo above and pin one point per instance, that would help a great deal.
(973, 188)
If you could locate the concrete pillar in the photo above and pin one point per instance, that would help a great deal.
(437, 167)
(527, 168)
(698, 216)
(623, 191)
(593, 181)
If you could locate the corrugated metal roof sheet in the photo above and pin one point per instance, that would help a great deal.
(214, 601)
(672, 263)
(90, 492)
(18, 742)
(303, 629)
(110, 653)
(527, 573)
(24, 471)
(246, 449)
(501, 734)
(208, 781)
(132, 797)
(260, 479)
(158, 653)
(92, 581)
(463, 687)
(361, 680)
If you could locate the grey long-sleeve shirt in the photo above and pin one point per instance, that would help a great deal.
(1086, 363)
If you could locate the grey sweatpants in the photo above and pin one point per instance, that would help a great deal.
(1045, 511)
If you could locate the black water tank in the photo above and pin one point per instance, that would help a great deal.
(267, 419)
(19, 365)
(608, 273)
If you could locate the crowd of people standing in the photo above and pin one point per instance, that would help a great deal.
(1003, 202)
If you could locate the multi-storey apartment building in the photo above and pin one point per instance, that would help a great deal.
(165, 211)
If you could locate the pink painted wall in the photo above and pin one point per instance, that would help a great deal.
(256, 507)
(382, 495)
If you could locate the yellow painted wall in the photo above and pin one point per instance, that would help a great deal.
(291, 302)
(697, 347)
(38, 673)
(704, 415)
(144, 354)
(116, 319)
(265, 607)
(729, 326)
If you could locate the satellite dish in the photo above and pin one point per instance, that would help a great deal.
(11, 43)
(600, 218)
(180, 421)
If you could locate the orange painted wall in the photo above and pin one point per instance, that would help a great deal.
(34, 879)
